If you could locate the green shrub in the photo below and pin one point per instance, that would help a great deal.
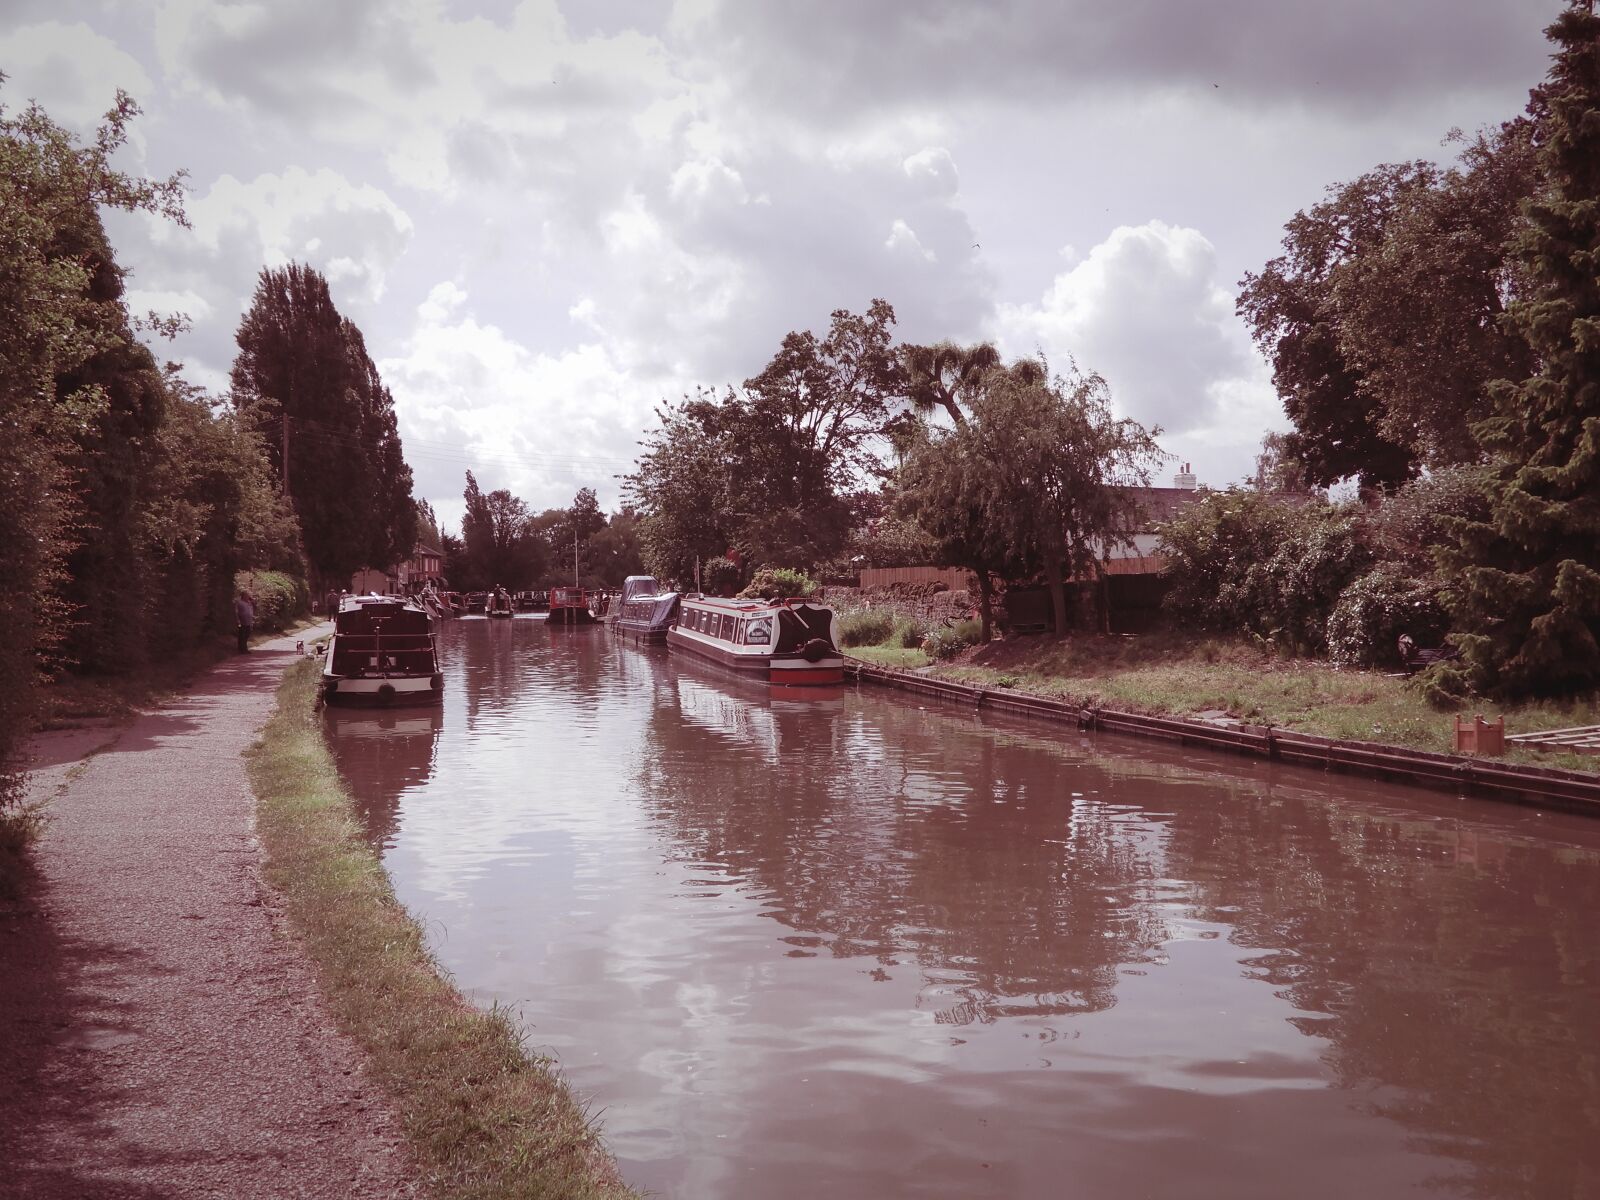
(1446, 686)
(953, 639)
(909, 635)
(1376, 609)
(870, 627)
(279, 598)
(720, 577)
(1241, 562)
(776, 583)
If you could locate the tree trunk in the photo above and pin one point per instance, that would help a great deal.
(1058, 593)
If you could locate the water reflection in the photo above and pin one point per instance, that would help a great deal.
(389, 751)
(849, 946)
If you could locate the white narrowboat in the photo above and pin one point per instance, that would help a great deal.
(791, 643)
(382, 652)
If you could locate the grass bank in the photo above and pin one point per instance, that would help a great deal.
(1171, 674)
(485, 1119)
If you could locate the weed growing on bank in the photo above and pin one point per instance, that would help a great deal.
(485, 1118)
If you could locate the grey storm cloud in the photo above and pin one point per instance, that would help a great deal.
(1355, 54)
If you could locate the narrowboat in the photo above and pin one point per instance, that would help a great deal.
(645, 611)
(499, 604)
(789, 643)
(570, 606)
(382, 652)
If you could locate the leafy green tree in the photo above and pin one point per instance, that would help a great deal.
(769, 471)
(614, 552)
(1527, 579)
(499, 547)
(683, 483)
(1378, 388)
(304, 382)
(60, 311)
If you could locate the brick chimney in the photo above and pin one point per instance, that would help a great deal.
(1185, 479)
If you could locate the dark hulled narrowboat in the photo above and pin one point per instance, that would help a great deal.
(644, 611)
(382, 652)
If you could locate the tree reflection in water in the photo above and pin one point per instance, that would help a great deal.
(1452, 973)
(969, 863)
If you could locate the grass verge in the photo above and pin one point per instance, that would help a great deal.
(485, 1119)
(1169, 674)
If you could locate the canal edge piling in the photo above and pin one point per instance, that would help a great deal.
(1550, 787)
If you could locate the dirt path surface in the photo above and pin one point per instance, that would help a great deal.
(160, 1031)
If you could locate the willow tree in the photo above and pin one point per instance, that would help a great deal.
(1054, 471)
(1528, 578)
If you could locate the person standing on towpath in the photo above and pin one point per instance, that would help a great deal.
(161, 1032)
(244, 611)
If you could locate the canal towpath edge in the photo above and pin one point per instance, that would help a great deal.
(163, 1032)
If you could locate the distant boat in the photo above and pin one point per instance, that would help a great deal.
(791, 643)
(499, 604)
(382, 652)
(570, 606)
(645, 611)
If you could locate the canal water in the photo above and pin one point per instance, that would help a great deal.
(854, 946)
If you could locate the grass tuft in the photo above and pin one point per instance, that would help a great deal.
(486, 1118)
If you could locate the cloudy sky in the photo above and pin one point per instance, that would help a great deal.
(549, 215)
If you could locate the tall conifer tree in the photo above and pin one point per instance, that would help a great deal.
(304, 380)
(1528, 579)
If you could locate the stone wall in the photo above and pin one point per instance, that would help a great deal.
(929, 604)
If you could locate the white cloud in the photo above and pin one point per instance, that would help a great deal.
(1146, 309)
(471, 397)
(70, 69)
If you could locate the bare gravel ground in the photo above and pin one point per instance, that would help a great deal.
(160, 1033)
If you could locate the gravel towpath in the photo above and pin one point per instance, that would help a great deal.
(160, 1031)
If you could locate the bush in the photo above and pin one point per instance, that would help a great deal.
(871, 627)
(720, 577)
(1241, 562)
(279, 598)
(908, 635)
(1445, 686)
(776, 583)
(953, 639)
(1376, 609)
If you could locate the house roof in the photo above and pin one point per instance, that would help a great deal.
(1160, 504)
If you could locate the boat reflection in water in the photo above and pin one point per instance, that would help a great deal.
(389, 750)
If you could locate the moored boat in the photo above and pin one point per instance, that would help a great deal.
(382, 652)
(644, 610)
(570, 606)
(790, 643)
